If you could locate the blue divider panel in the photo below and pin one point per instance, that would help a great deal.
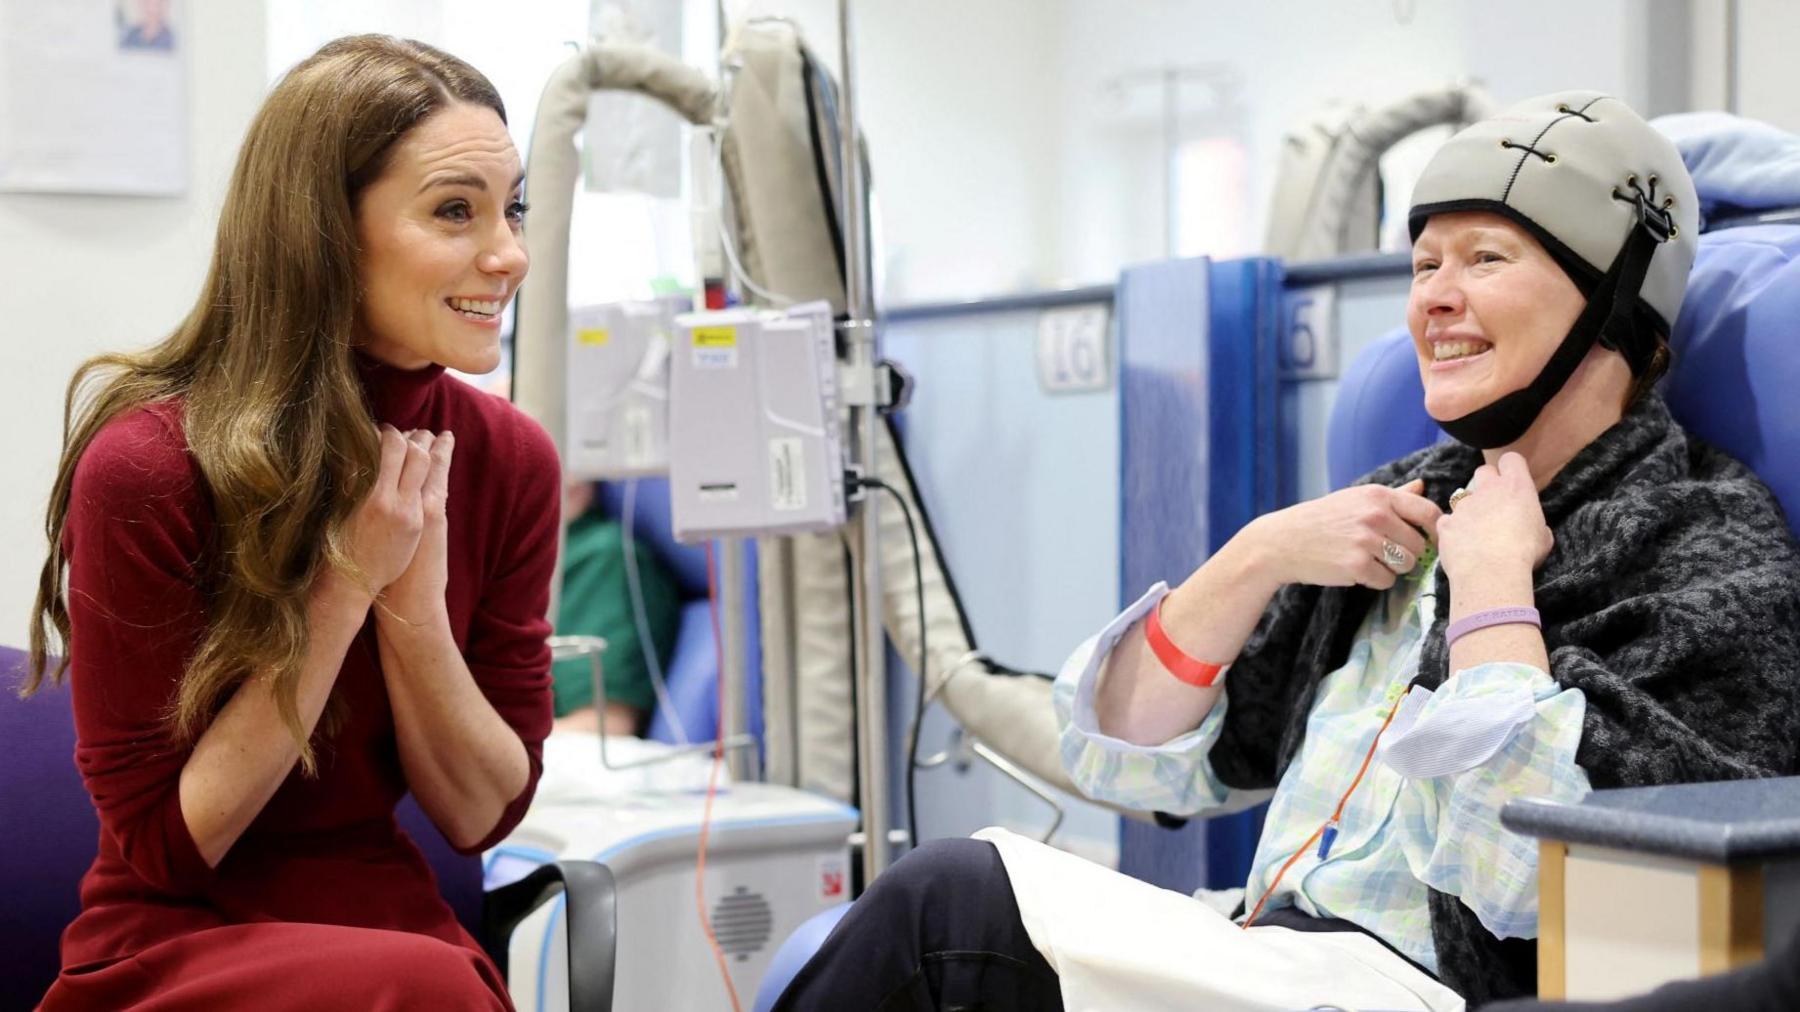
(1199, 456)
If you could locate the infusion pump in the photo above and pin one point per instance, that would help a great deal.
(618, 388)
(739, 407)
(755, 439)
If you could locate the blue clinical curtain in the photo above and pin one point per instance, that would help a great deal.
(1199, 457)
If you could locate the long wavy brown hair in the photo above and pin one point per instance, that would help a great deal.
(274, 410)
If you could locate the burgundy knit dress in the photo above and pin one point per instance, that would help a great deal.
(323, 903)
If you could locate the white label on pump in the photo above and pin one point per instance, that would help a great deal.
(715, 348)
(787, 473)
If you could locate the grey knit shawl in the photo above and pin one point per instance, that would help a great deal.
(1671, 599)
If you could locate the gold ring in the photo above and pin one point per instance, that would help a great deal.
(1458, 496)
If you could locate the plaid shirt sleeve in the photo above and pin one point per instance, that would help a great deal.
(1467, 853)
(1174, 777)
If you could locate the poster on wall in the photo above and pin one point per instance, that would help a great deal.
(93, 97)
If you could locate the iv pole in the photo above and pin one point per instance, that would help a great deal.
(732, 564)
(869, 666)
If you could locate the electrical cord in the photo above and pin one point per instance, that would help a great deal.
(918, 718)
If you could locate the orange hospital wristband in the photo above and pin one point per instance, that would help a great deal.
(1196, 673)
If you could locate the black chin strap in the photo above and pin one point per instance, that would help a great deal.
(1607, 319)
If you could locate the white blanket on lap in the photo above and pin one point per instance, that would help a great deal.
(1118, 943)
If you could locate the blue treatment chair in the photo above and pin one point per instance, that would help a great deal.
(1735, 382)
(49, 834)
(794, 953)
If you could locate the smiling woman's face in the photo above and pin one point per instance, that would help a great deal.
(441, 249)
(1488, 308)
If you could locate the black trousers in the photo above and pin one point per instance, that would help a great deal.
(938, 930)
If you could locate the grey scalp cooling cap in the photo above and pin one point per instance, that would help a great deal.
(1570, 167)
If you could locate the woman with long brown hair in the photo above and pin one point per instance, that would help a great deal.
(281, 605)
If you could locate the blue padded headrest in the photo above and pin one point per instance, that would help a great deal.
(1735, 381)
(1736, 378)
(1379, 414)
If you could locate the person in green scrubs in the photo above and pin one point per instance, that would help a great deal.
(596, 601)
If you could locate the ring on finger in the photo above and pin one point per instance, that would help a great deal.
(1395, 557)
(1458, 496)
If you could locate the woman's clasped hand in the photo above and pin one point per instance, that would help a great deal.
(1498, 527)
(1338, 540)
(399, 531)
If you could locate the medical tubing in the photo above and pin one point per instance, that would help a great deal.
(737, 268)
(712, 787)
(635, 590)
(918, 719)
(1330, 824)
(1356, 154)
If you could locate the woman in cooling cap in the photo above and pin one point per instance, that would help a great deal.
(1573, 594)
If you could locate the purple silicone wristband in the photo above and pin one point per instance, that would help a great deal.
(1495, 616)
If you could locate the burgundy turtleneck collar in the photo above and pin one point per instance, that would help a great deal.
(396, 396)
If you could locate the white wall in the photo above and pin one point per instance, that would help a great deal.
(92, 274)
(1002, 160)
(967, 198)
(1288, 61)
(516, 48)
(1767, 76)
(957, 102)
